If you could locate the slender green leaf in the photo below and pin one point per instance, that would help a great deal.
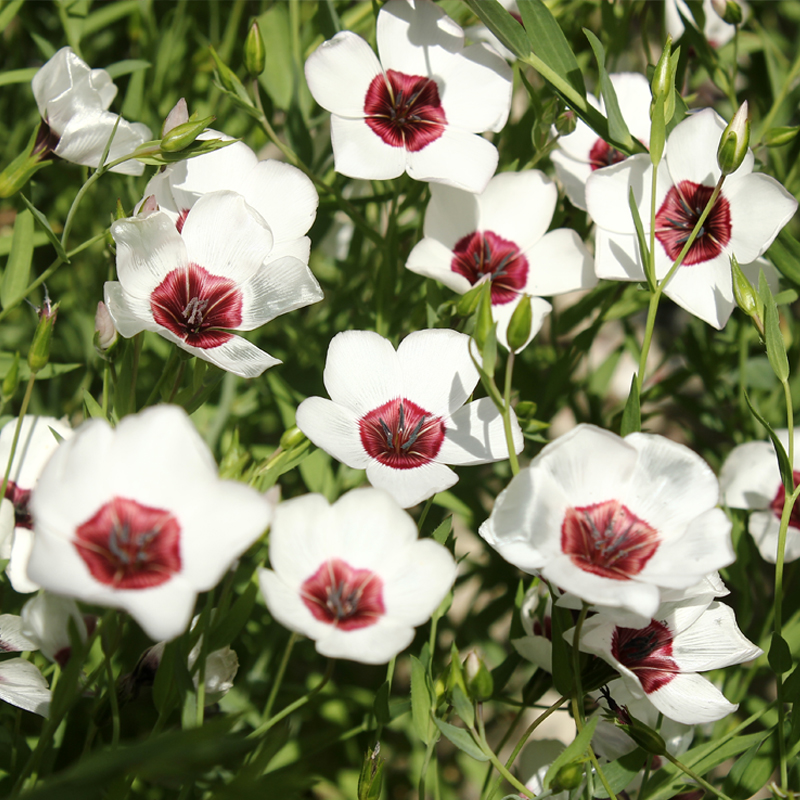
(751, 772)
(421, 701)
(573, 751)
(632, 415)
(231, 625)
(780, 656)
(641, 239)
(548, 42)
(42, 220)
(561, 620)
(461, 739)
(18, 267)
(785, 255)
(107, 15)
(502, 25)
(126, 67)
(9, 12)
(463, 706)
(380, 705)
(776, 349)
(791, 686)
(617, 126)
(442, 532)
(93, 408)
(783, 459)
(621, 772)
(17, 76)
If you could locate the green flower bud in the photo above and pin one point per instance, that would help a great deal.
(734, 142)
(469, 302)
(746, 296)
(105, 334)
(11, 380)
(39, 354)
(484, 321)
(526, 409)
(568, 777)
(292, 438)
(519, 326)
(181, 136)
(661, 83)
(729, 10)
(480, 684)
(24, 166)
(647, 738)
(777, 137)
(566, 123)
(370, 780)
(255, 57)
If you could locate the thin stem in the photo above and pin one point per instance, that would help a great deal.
(276, 683)
(512, 455)
(205, 622)
(577, 694)
(178, 380)
(173, 357)
(695, 777)
(425, 509)
(424, 772)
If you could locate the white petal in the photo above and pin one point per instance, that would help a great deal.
(573, 174)
(277, 288)
(437, 370)
(53, 86)
(286, 605)
(451, 214)
(634, 97)
(411, 486)
(209, 243)
(23, 686)
(359, 152)
(433, 260)
(416, 38)
(12, 640)
(764, 527)
(376, 644)
(617, 256)
(749, 477)
(518, 206)
(237, 355)
(759, 208)
(35, 446)
(475, 435)
(130, 315)
(46, 619)
(559, 263)
(692, 700)
(457, 158)
(148, 249)
(362, 371)
(334, 428)
(502, 314)
(339, 73)
(17, 569)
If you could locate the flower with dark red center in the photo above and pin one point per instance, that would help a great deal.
(353, 576)
(750, 479)
(501, 236)
(680, 212)
(38, 440)
(131, 517)
(746, 217)
(342, 596)
(401, 415)
(73, 100)
(198, 283)
(581, 152)
(420, 107)
(614, 522)
(660, 660)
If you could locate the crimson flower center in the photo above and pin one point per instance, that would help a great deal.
(603, 154)
(608, 540)
(777, 504)
(679, 213)
(128, 545)
(647, 652)
(401, 435)
(404, 110)
(344, 596)
(19, 498)
(197, 306)
(487, 256)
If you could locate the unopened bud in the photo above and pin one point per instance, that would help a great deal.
(777, 137)
(370, 780)
(292, 438)
(181, 136)
(178, 116)
(255, 57)
(469, 302)
(519, 326)
(39, 354)
(11, 380)
(526, 409)
(746, 295)
(647, 738)
(148, 206)
(484, 321)
(661, 83)
(105, 334)
(568, 777)
(25, 165)
(480, 684)
(729, 10)
(734, 142)
(455, 675)
(566, 123)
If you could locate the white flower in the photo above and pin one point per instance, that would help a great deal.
(417, 109)
(284, 197)
(582, 152)
(613, 521)
(501, 236)
(750, 479)
(23, 686)
(38, 440)
(136, 518)
(195, 287)
(660, 661)
(716, 30)
(73, 100)
(537, 644)
(45, 620)
(353, 576)
(399, 415)
(745, 219)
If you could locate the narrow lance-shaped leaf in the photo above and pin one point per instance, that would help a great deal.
(573, 751)
(461, 739)
(632, 415)
(616, 123)
(641, 239)
(18, 266)
(42, 220)
(776, 349)
(502, 25)
(783, 459)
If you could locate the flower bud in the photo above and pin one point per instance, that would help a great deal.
(148, 206)
(221, 668)
(525, 409)
(566, 123)
(181, 136)
(746, 295)
(568, 777)
(292, 438)
(11, 380)
(35, 156)
(734, 141)
(519, 326)
(178, 116)
(777, 137)
(661, 83)
(729, 10)
(39, 354)
(484, 321)
(480, 684)
(105, 334)
(647, 738)
(255, 57)
(370, 781)
(469, 301)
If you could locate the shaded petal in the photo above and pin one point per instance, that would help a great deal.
(617, 257)
(750, 477)
(691, 699)
(339, 73)
(23, 686)
(334, 428)
(236, 355)
(573, 173)
(359, 152)
(411, 486)
(451, 214)
(53, 88)
(634, 97)
(559, 263)
(12, 640)
(475, 435)
(376, 644)
(433, 260)
(17, 569)
(764, 527)
(502, 314)
(362, 371)
(437, 370)
(129, 318)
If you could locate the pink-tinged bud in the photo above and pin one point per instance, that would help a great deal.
(39, 354)
(734, 142)
(148, 207)
(178, 116)
(181, 136)
(105, 334)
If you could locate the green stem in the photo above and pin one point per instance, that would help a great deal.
(695, 777)
(786, 87)
(577, 694)
(205, 623)
(425, 764)
(278, 679)
(425, 509)
(507, 412)
(173, 357)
